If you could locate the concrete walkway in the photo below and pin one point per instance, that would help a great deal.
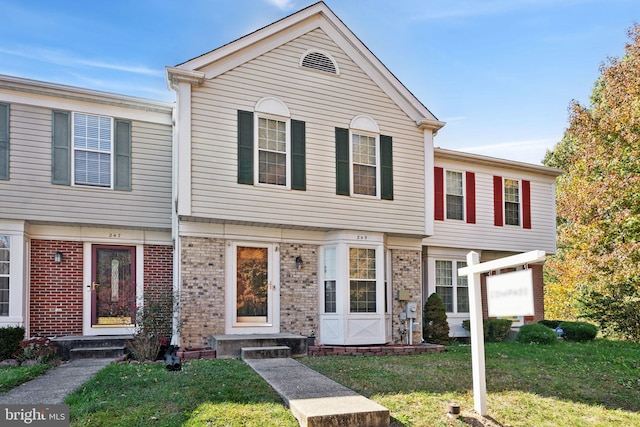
(315, 400)
(54, 386)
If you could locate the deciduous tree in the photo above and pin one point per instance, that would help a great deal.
(598, 200)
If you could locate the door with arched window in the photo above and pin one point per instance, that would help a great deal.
(113, 286)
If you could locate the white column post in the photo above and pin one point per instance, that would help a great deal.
(477, 338)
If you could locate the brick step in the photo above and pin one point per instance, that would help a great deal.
(269, 352)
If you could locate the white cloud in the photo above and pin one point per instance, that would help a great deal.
(65, 59)
(282, 4)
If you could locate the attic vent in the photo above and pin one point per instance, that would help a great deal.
(319, 61)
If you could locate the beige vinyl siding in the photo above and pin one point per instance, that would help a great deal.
(484, 235)
(323, 101)
(29, 194)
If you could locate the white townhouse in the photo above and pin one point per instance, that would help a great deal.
(310, 196)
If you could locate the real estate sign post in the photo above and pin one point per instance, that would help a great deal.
(511, 295)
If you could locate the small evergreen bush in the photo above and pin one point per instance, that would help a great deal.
(550, 323)
(579, 331)
(434, 321)
(495, 330)
(535, 333)
(10, 338)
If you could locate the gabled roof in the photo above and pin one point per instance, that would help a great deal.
(318, 15)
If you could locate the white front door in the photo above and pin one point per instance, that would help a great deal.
(253, 289)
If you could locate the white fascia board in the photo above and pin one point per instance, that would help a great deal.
(494, 162)
(55, 96)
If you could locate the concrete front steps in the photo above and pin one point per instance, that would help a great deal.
(91, 347)
(230, 346)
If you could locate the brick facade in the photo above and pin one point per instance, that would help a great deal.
(56, 288)
(298, 289)
(406, 275)
(202, 293)
(158, 281)
(56, 292)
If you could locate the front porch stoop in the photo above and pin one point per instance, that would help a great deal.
(230, 346)
(91, 347)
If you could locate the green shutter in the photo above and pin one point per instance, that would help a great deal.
(386, 167)
(61, 148)
(122, 151)
(298, 156)
(4, 141)
(342, 162)
(245, 147)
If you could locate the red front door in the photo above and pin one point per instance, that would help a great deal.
(113, 286)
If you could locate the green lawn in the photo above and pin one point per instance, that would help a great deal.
(13, 376)
(569, 384)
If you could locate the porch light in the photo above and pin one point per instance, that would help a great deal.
(57, 257)
(299, 262)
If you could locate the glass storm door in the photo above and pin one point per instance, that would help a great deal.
(113, 287)
(252, 285)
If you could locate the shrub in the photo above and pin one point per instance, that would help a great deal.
(579, 331)
(495, 330)
(37, 348)
(535, 333)
(153, 325)
(435, 326)
(550, 323)
(10, 338)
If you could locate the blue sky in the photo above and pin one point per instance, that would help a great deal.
(501, 73)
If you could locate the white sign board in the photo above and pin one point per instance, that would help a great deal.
(510, 294)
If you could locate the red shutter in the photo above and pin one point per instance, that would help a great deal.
(526, 204)
(471, 197)
(497, 201)
(438, 179)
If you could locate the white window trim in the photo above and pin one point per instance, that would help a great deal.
(256, 150)
(17, 273)
(351, 163)
(111, 153)
(432, 279)
(504, 202)
(464, 196)
(347, 328)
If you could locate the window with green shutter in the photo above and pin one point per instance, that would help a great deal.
(364, 164)
(91, 150)
(271, 150)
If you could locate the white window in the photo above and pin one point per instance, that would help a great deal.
(511, 202)
(330, 295)
(453, 289)
(273, 148)
(92, 150)
(5, 258)
(362, 280)
(454, 195)
(364, 149)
